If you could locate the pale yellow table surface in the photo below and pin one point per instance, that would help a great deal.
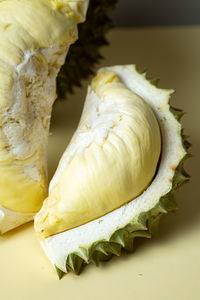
(165, 268)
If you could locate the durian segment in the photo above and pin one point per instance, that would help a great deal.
(98, 239)
(111, 159)
(35, 36)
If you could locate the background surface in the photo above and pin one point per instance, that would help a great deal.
(157, 12)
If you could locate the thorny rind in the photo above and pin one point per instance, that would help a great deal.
(84, 54)
(144, 225)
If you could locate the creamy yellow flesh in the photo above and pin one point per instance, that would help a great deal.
(34, 38)
(110, 160)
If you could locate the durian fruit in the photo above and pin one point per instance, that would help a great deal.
(117, 175)
(35, 36)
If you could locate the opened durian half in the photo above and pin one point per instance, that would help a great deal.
(35, 36)
(117, 175)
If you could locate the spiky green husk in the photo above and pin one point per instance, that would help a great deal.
(84, 54)
(144, 225)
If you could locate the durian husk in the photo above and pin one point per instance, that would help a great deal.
(84, 54)
(144, 224)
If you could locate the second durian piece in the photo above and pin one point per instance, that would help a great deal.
(118, 137)
(114, 180)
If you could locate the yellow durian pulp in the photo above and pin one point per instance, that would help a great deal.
(111, 159)
(35, 36)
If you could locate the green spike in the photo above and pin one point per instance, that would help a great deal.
(83, 253)
(104, 258)
(187, 155)
(185, 137)
(154, 225)
(128, 246)
(70, 263)
(144, 75)
(183, 171)
(97, 257)
(74, 263)
(178, 113)
(161, 208)
(138, 223)
(179, 179)
(115, 249)
(142, 71)
(141, 221)
(169, 202)
(129, 241)
(118, 237)
(59, 272)
(141, 233)
(101, 247)
(187, 145)
(154, 81)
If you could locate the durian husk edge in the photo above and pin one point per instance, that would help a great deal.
(145, 224)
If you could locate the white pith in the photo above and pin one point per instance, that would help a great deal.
(18, 130)
(27, 118)
(59, 246)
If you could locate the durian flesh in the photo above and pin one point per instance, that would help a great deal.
(102, 236)
(111, 159)
(35, 36)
